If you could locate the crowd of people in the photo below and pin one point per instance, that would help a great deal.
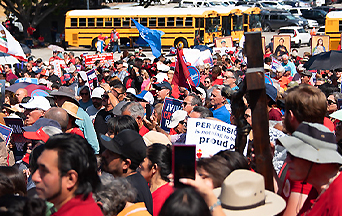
(99, 149)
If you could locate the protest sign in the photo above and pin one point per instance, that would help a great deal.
(6, 132)
(210, 136)
(17, 136)
(58, 65)
(170, 106)
(2, 91)
(103, 57)
(194, 75)
(92, 79)
(27, 80)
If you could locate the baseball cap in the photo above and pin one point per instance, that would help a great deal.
(271, 91)
(37, 102)
(163, 85)
(42, 133)
(97, 92)
(146, 96)
(117, 108)
(127, 143)
(42, 122)
(176, 117)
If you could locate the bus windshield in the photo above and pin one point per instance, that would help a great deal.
(237, 22)
(212, 24)
(254, 21)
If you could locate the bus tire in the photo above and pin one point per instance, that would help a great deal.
(93, 44)
(181, 43)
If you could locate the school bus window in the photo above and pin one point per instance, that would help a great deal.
(91, 21)
(245, 19)
(99, 22)
(143, 21)
(170, 21)
(73, 22)
(117, 21)
(179, 21)
(161, 21)
(126, 21)
(237, 22)
(108, 22)
(199, 22)
(152, 22)
(82, 22)
(340, 26)
(188, 21)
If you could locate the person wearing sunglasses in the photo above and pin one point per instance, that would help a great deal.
(85, 102)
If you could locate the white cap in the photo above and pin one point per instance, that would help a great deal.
(37, 102)
(124, 64)
(131, 90)
(176, 117)
(281, 69)
(163, 67)
(161, 77)
(97, 92)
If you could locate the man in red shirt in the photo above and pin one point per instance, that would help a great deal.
(67, 175)
(313, 158)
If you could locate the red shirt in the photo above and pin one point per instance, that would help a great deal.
(217, 82)
(275, 114)
(30, 30)
(159, 196)
(328, 204)
(143, 130)
(329, 124)
(77, 206)
(76, 131)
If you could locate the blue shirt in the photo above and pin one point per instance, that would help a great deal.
(88, 130)
(292, 66)
(222, 113)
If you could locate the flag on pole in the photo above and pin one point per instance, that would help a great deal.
(152, 37)
(9, 45)
(181, 76)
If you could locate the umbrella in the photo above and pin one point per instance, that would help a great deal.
(28, 86)
(25, 48)
(56, 48)
(325, 61)
(7, 59)
(16, 86)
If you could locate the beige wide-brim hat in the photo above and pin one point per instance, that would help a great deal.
(156, 137)
(71, 109)
(243, 193)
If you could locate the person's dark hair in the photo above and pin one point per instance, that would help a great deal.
(114, 82)
(235, 159)
(114, 194)
(196, 100)
(55, 85)
(216, 70)
(120, 86)
(6, 186)
(16, 177)
(203, 111)
(25, 99)
(162, 156)
(12, 98)
(185, 202)
(12, 205)
(122, 122)
(268, 59)
(75, 153)
(51, 101)
(36, 152)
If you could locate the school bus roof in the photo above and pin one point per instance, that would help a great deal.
(139, 12)
(334, 14)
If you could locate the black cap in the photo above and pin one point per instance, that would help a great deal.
(127, 143)
(163, 85)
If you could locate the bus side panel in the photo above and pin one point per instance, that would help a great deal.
(332, 29)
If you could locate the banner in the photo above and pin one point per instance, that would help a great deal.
(210, 136)
(92, 79)
(27, 80)
(9, 45)
(57, 65)
(17, 136)
(6, 132)
(170, 106)
(103, 57)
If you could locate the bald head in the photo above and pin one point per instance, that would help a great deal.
(59, 115)
(20, 94)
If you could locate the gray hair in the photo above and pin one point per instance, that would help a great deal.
(114, 194)
(134, 108)
(203, 111)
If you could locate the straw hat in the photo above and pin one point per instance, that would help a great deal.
(71, 109)
(243, 193)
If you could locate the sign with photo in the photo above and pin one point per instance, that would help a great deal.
(224, 42)
(319, 44)
(170, 106)
(281, 44)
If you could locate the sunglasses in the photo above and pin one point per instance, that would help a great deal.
(183, 123)
(84, 93)
(206, 81)
(185, 103)
(331, 102)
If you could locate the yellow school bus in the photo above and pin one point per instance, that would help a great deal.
(333, 28)
(231, 20)
(251, 19)
(180, 25)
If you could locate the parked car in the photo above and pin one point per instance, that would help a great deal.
(315, 14)
(296, 3)
(321, 31)
(274, 19)
(298, 35)
(276, 4)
